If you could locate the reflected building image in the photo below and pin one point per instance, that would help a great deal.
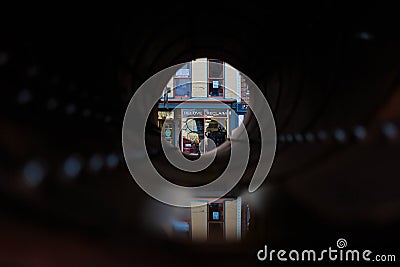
(226, 219)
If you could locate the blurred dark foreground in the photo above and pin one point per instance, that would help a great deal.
(330, 72)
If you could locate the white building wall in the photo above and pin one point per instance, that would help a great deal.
(200, 80)
(231, 84)
(199, 77)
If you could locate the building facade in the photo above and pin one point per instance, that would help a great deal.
(205, 100)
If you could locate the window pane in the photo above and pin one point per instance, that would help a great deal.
(216, 69)
(192, 135)
(182, 88)
(216, 87)
(216, 131)
(184, 71)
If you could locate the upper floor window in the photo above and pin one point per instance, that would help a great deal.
(215, 78)
(182, 81)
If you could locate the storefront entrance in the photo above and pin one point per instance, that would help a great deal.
(197, 127)
(203, 129)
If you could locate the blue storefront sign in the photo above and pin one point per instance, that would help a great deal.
(242, 108)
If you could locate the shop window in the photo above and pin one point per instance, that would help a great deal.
(200, 123)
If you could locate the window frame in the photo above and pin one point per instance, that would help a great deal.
(183, 77)
(210, 79)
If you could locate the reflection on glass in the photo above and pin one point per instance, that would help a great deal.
(182, 87)
(203, 124)
(216, 68)
(216, 130)
(216, 87)
(192, 135)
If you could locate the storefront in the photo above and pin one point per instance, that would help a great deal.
(198, 126)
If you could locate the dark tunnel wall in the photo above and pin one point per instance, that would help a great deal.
(330, 74)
